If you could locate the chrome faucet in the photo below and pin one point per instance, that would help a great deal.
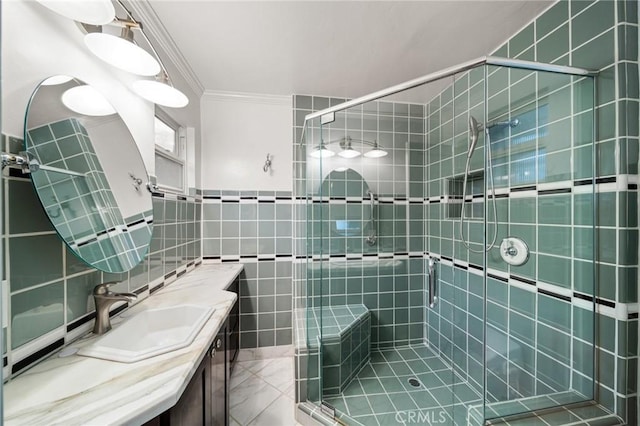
(104, 298)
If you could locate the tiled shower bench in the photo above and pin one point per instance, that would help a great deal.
(346, 341)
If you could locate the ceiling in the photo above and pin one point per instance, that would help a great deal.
(334, 48)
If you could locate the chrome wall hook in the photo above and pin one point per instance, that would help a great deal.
(267, 163)
(136, 181)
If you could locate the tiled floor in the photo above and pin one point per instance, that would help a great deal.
(592, 415)
(382, 395)
(262, 393)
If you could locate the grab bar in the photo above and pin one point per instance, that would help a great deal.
(373, 237)
(433, 282)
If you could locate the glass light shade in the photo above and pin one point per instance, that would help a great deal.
(87, 100)
(56, 79)
(322, 152)
(94, 12)
(122, 54)
(375, 153)
(349, 153)
(160, 93)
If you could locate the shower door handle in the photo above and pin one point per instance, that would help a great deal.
(433, 282)
(373, 232)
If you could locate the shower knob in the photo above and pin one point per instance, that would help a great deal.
(511, 251)
(514, 251)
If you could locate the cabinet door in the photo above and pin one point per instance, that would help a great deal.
(233, 342)
(218, 380)
(194, 407)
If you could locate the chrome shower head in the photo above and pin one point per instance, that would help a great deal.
(510, 123)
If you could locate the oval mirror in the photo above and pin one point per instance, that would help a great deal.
(351, 220)
(91, 179)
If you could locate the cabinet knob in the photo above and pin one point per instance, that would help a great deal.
(218, 343)
(212, 353)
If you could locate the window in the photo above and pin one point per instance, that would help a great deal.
(170, 153)
(165, 136)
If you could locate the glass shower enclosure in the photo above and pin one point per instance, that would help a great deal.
(450, 247)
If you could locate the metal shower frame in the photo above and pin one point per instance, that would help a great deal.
(327, 116)
(448, 72)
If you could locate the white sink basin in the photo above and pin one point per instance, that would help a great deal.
(150, 333)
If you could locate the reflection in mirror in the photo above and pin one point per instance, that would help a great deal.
(91, 178)
(355, 220)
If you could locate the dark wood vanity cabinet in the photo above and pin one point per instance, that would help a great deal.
(194, 406)
(205, 401)
(219, 380)
(233, 333)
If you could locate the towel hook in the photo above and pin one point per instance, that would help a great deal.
(267, 163)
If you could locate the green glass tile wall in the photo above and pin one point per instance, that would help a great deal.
(50, 302)
(385, 280)
(382, 276)
(255, 228)
(542, 310)
(552, 149)
(392, 289)
(76, 154)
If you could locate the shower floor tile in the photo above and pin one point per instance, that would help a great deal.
(381, 393)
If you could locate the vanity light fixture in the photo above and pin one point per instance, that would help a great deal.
(94, 12)
(161, 92)
(376, 152)
(321, 151)
(87, 100)
(347, 149)
(121, 51)
(124, 53)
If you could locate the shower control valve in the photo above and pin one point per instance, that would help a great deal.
(514, 251)
(511, 251)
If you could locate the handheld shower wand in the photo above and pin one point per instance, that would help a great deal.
(474, 130)
(475, 127)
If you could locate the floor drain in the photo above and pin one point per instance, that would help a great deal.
(415, 382)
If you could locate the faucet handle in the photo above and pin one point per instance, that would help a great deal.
(103, 288)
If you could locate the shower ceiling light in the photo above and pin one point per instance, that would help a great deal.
(94, 12)
(376, 152)
(121, 52)
(321, 151)
(87, 100)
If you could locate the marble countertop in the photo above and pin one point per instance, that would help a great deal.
(75, 390)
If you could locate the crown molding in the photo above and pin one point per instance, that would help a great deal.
(153, 26)
(251, 98)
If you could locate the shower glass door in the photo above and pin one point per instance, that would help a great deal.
(376, 365)
(539, 274)
(463, 239)
(484, 181)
